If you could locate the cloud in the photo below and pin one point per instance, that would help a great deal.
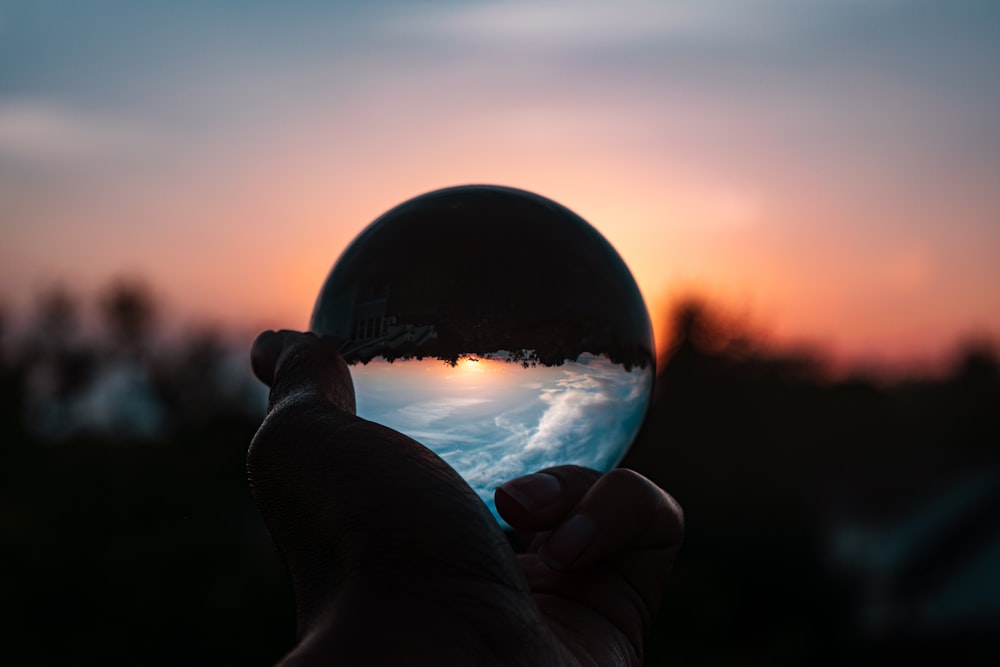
(595, 405)
(584, 417)
(562, 24)
(423, 414)
(40, 132)
(574, 402)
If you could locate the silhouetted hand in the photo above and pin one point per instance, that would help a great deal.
(395, 560)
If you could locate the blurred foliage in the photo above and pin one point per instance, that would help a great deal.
(774, 463)
(120, 541)
(117, 544)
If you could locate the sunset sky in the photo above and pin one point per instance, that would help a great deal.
(828, 170)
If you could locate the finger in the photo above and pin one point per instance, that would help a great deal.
(623, 511)
(541, 501)
(621, 522)
(264, 355)
(296, 364)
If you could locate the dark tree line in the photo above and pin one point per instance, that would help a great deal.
(115, 538)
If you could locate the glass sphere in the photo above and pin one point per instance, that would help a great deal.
(495, 327)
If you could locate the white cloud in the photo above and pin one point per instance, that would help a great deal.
(572, 403)
(42, 132)
(588, 23)
(423, 414)
(588, 415)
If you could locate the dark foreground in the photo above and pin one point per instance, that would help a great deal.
(828, 522)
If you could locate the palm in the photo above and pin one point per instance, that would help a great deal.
(575, 607)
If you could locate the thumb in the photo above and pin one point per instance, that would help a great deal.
(295, 364)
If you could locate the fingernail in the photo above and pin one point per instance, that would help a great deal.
(569, 541)
(534, 491)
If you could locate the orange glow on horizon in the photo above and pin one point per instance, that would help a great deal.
(471, 365)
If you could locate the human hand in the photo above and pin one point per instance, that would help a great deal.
(395, 560)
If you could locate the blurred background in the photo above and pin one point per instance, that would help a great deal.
(808, 195)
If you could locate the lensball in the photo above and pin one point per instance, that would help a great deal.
(495, 327)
